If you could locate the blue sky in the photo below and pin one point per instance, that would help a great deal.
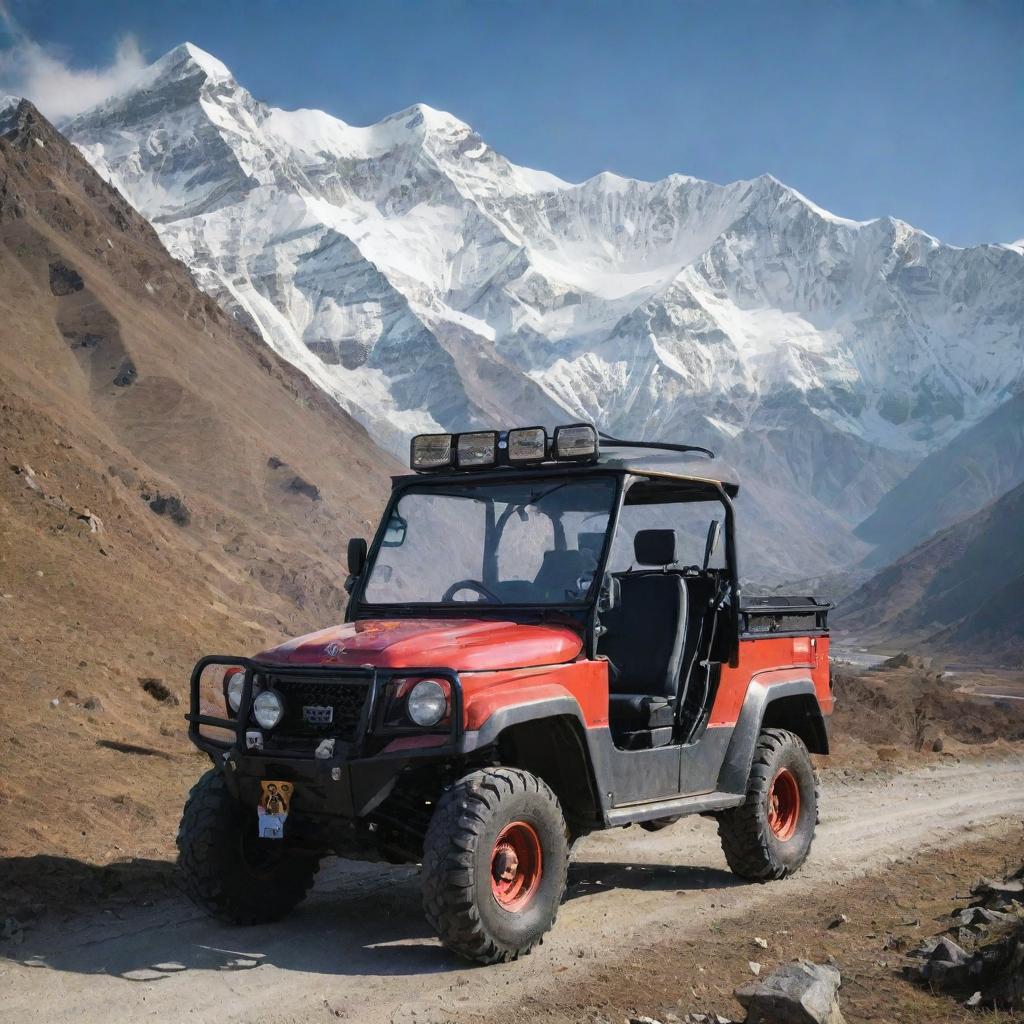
(914, 109)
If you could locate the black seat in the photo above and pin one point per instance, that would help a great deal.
(559, 575)
(644, 640)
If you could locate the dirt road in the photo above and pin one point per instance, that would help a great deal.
(360, 951)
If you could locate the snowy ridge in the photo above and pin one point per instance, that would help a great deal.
(8, 105)
(426, 282)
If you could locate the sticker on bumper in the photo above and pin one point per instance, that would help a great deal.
(275, 799)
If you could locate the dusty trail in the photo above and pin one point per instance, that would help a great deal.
(359, 949)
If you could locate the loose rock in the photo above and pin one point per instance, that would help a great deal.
(977, 918)
(796, 993)
(948, 951)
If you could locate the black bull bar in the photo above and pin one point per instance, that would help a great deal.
(370, 729)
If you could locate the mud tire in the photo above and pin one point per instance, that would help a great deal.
(218, 859)
(752, 848)
(457, 863)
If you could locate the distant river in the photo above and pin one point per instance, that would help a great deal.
(855, 656)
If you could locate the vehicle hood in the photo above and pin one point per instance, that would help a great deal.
(465, 645)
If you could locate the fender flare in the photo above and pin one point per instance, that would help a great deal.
(530, 711)
(739, 756)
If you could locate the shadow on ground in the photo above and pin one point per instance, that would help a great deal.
(589, 877)
(44, 884)
(360, 919)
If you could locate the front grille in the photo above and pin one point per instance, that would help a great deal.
(319, 708)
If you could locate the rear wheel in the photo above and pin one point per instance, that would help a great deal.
(769, 836)
(229, 872)
(494, 864)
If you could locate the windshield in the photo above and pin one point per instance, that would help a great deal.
(502, 542)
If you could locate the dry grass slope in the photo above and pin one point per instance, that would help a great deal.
(168, 487)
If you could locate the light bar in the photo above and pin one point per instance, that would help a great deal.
(478, 449)
(430, 451)
(577, 442)
(521, 446)
(527, 445)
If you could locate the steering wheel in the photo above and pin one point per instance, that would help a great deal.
(470, 585)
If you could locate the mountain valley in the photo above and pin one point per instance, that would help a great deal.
(425, 282)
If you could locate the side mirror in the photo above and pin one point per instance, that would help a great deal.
(610, 596)
(356, 562)
(711, 546)
(394, 532)
(356, 556)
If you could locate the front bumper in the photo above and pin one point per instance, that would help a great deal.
(367, 759)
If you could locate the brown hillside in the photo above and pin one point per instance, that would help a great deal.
(168, 487)
(958, 592)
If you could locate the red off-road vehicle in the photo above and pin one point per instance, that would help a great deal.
(545, 638)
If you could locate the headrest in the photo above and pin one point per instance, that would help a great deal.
(566, 562)
(655, 547)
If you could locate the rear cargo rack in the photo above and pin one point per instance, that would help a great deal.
(761, 615)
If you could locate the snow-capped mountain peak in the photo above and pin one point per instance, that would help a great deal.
(427, 282)
(190, 54)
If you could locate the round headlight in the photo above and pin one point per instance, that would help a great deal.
(268, 709)
(235, 685)
(427, 703)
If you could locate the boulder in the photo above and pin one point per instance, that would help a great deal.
(948, 952)
(948, 965)
(979, 918)
(796, 993)
(999, 895)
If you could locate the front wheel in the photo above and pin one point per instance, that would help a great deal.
(229, 872)
(769, 835)
(495, 860)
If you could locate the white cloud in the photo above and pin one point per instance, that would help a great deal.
(43, 76)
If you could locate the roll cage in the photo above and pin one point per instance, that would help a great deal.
(647, 480)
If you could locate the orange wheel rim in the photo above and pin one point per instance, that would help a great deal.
(784, 805)
(516, 866)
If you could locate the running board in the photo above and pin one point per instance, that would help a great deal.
(674, 808)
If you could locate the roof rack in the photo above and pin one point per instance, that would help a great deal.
(666, 446)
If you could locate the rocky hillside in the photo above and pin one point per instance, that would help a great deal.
(975, 468)
(959, 592)
(169, 486)
(425, 282)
